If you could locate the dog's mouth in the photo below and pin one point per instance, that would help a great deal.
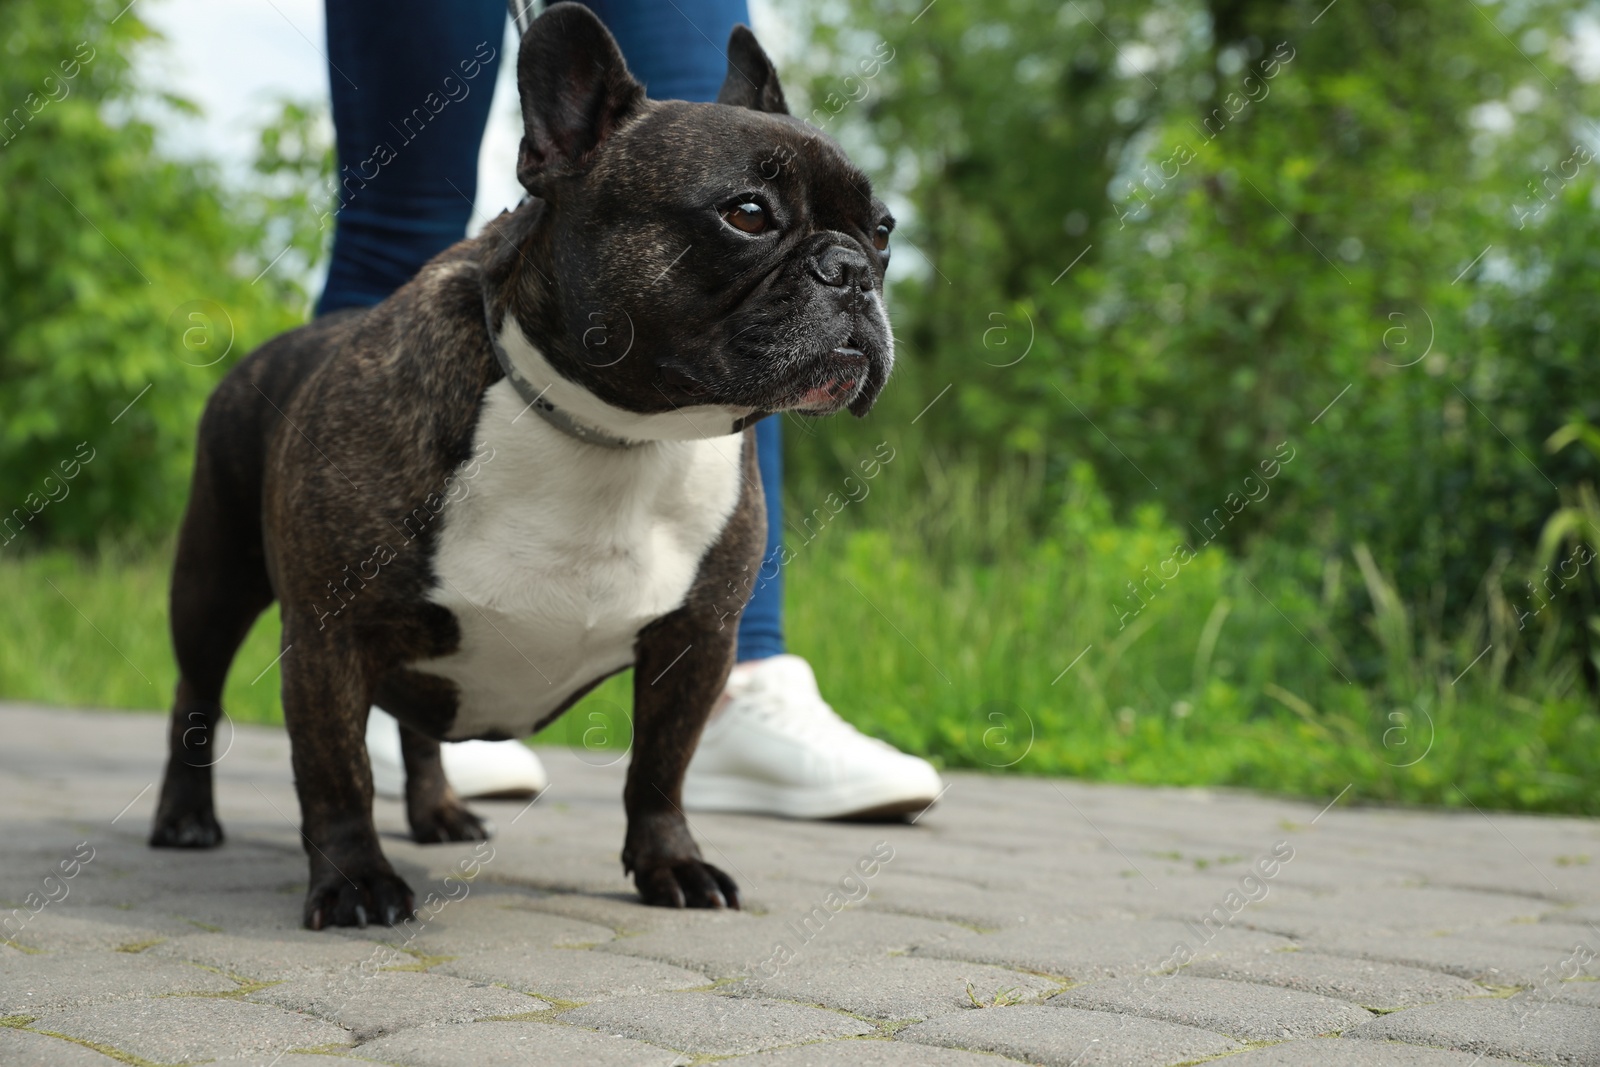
(818, 385)
(843, 375)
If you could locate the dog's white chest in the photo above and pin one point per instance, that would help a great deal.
(557, 553)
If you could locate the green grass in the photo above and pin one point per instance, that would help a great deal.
(955, 636)
(939, 619)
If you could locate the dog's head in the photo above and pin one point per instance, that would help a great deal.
(722, 258)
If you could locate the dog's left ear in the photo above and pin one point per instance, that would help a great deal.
(575, 90)
(752, 80)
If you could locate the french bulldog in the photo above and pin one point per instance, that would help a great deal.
(532, 466)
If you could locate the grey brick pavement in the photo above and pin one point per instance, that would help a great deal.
(1021, 920)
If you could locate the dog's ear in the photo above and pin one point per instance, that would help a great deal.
(575, 90)
(752, 80)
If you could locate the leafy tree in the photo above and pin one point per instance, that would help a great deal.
(129, 283)
(1231, 224)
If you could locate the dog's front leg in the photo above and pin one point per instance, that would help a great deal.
(681, 669)
(326, 692)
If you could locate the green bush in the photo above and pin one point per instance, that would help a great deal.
(1230, 675)
(129, 283)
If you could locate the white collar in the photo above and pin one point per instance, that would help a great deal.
(576, 411)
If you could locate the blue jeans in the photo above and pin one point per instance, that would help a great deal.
(423, 71)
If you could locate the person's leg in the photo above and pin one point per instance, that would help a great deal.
(761, 626)
(677, 49)
(411, 82)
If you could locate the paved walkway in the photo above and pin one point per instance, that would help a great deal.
(1027, 920)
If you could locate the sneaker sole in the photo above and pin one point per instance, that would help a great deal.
(724, 794)
(898, 811)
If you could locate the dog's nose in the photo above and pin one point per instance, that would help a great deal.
(842, 268)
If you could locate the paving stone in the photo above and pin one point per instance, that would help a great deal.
(1341, 1052)
(512, 1044)
(1484, 872)
(67, 928)
(867, 932)
(1241, 1010)
(1380, 986)
(1004, 873)
(730, 945)
(271, 912)
(1060, 1037)
(867, 1052)
(1555, 1033)
(274, 956)
(191, 1029)
(1557, 937)
(976, 905)
(375, 1004)
(721, 945)
(19, 1048)
(1491, 963)
(900, 987)
(481, 922)
(565, 974)
(34, 985)
(799, 874)
(1091, 950)
(1587, 913)
(117, 876)
(708, 1024)
(1420, 910)
(582, 858)
(243, 867)
(291, 1059)
(1585, 992)
(619, 912)
(787, 895)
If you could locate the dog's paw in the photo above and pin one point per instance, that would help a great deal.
(336, 900)
(686, 884)
(188, 829)
(451, 822)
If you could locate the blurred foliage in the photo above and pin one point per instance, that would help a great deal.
(129, 283)
(1204, 223)
(1563, 585)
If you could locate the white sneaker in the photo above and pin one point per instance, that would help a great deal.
(777, 748)
(473, 768)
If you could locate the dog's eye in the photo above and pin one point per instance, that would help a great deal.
(748, 217)
(880, 238)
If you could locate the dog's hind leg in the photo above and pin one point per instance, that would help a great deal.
(434, 811)
(219, 587)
